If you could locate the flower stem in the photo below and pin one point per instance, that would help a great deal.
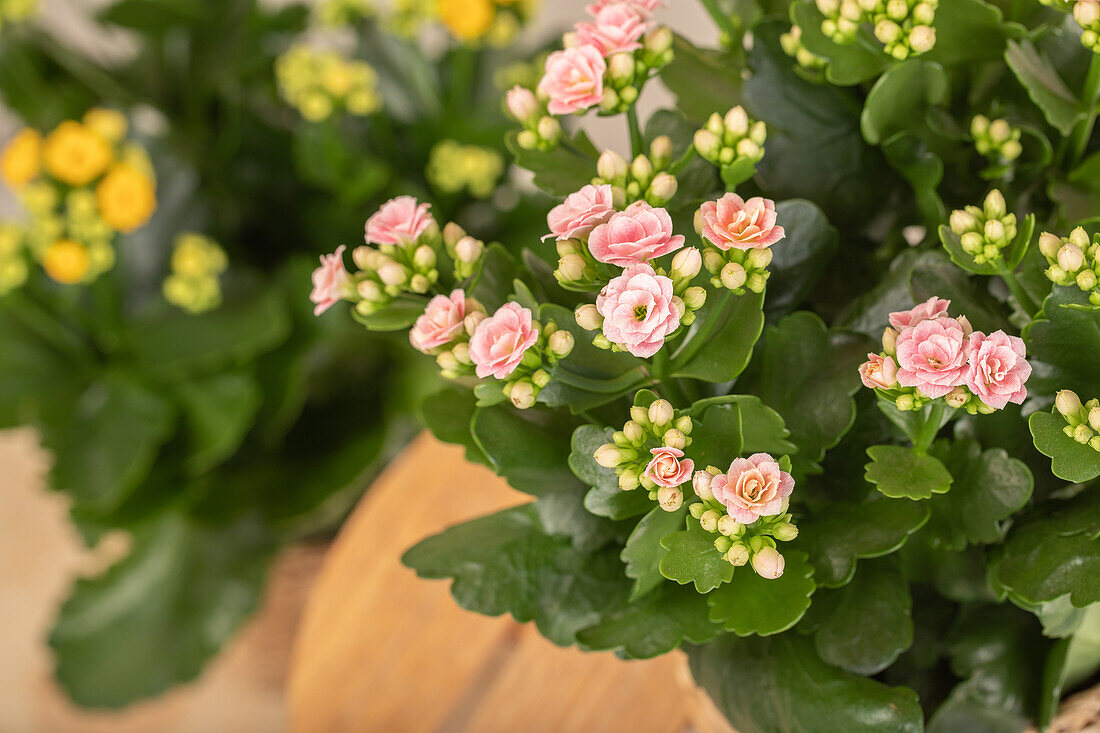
(721, 19)
(1083, 132)
(1026, 301)
(636, 143)
(931, 427)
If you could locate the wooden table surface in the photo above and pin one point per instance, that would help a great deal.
(382, 650)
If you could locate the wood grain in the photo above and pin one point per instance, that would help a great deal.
(382, 650)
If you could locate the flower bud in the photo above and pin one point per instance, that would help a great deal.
(730, 527)
(889, 340)
(962, 222)
(673, 438)
(469, 250)
(588, 317)
(733, 276)
(1079, 237)
(1086, 13)
(633, 431)
(922, 38)
(700, 482)
(611, 167)
(905, 402)
(560, 344)
(738, 554)
(522, 104)
(447, 362)
(924, 14)
(523, 394)
(661, 412)
(452, 233)
(768, 563)
(956, 398)
(392, 274)
(994, 230)
(1049, 244)
(972, 243)
(660, 150)
(887, 31)
(1086, 280)
(756, 282)
(707, 144)
(608, 456)
(549, 129)
(736, 122)
(670, 498)
(1069, 404)
(758, 259)
(1071, 258)
(709, 520)
(1082, 434)
(628, 480)
(686, 264)
(1094, 418)
(999, 131)
(662, 189)
(722, 543)
(758, 133)
(620, 68)
(994, 205)
(571, 268)
(658, 40)
(784, 531)
(370, 291)
(424, 258)
(528, 139)
(695, 297)
(419, 284)
(642, 170)
(748, 149)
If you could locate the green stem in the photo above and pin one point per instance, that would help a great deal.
(721, 19)
(1026, 301)
(637, 146)
(931, 427)
(1079, 141)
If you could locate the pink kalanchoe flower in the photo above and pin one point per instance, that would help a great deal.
(753, 487)
(618, 27)
(932, 356)
(401, 220)
(573, 79)
(932, 308)
(997, 368)
(879, 372)
(439, 324)
(638, 310)
(638, 234)
(501, 340)
(667, 469)
(732, 222)
(580, 213)
(331, 282)
(645, 7)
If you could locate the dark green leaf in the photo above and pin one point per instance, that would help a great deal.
(1038, 565)
(693, 558)
(530, 448)
(219, 411)
(1067, 340)
(969, 31)
(902, 472)
(749, 604)
(703, 81)
(899, 99)
(1046, 88)
(493, 280)
(561, 171)
(643, 551)
(397, 316)
(449, 414)
(605, 499)
(849, 63)
(1070, 460)
(800, 258)
(654, 625)
(718, 345)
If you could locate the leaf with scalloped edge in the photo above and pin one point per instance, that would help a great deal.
(1070, 460)
(902, 472)
(693, 558)
(750, 604)
(653, 625)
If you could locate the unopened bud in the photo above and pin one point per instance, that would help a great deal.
(469, 250)
(633, 431)
(962, 222)
(768, 563)
(756, 282)
(642, 170)
(523, 394)
(662, 189)
(472, 321)
(1079, 237)
(447, 362)
(528, 139)
(639, 415)
(522, 103)
(686, 264)
(541, 378)
(887, 31)
(1086, 280)
(736, 122)
(1071, 258)
(661, 412)
(1049, 244)
(922, 38)
(424, 258)
(571, 268)
(560, 344)
(994, 230)
(758, 259)
(784, 531)
(673, 438)
(999, 131)
(700, 482)
(1086, 13)
(628, 480)
(746, 148)
(709, 520)
(419, 283)
(956, 398)
(733, 276)
(730, 527)
(1082, 434)
(1069, 404)
(452, 233)
(722, 543)
(1094, 418)
(707, 144)
(670, 498)
(889, 340)
(620, 68)
(392, 274)
(611, 167)
(683, 424)
(905, 402)
(695, 297)
(979, 126)
(660, 150)
(369, 290)
(549, 129)
(713, 261)
(608, 456)
(588, 317)
(994, 205)
(658, 40)
(738, 554)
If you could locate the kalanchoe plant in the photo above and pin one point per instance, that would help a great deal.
(707, 472)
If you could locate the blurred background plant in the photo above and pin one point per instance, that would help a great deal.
(152, 321)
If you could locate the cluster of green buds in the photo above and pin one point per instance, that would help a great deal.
(627, 72)
(342, 13)
(741, 543)
(389, 270)
(985, 232)
(319, 83)
(454, 167)
(734, 141)
(1073, 260)
(997, 140)
(1083, 419)
(13, 263)
(577, 269)
(197, 262)
(631, 451)
(646, 178)
(739, 270)
(465, 251)
(540, 130)
(523, 385)
(791, 43)
(1087, 15)
(904, 27)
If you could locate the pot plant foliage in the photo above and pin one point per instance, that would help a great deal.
(805, 385)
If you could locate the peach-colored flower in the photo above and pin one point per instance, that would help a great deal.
(667, 469)
(401, 220)
(440, 323)
(932, 356)
(573, 79)
(732, 222)
(932, 308)
(753, 487)
(330, 282)
(638, 310)
(639, 234)
(879, 372)
(617, 27)
(581, 212)
(501, 340)
(997, 368)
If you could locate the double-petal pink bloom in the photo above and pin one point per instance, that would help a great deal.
(581, 212)
(879, 372)
(617, 27)
(638, 234)
(638, 310)
(928, 310)
(997, 368)
(401, 220)
(440, 323)
(753, 487)
(501, 340)
(668, 468)
(573, 79)
(932, 356)
(330, 282)
(645, 7)
(733, 223)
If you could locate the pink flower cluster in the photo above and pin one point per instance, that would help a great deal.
(634, 236)
(937, 354)
(753, 487)
(441, 322)
(401, 220)
(501, 340)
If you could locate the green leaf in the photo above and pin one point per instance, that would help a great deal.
(397, 316)
(988, 488)
(902, 472)
(110, 442)
(506, 563)
(1046, 88)
(643, 551)
(219, 411)
(1038, 565)
(154, 619)
(561, 171)
(923, 169)
(449, 414)
(738, 172)
(1068, 341)
(718, 345)
(867, 623)
(735, 425)
(778, 684)
(809, 377)
(702, 80)
(968, 31)
(493, 280)
(1083, 655)
(749, 604)
(150, 16)
(693, 558)
(1070, 460)
(900, 98)
(530, 448)
(654, 625)
(844, 531)
(849, 63)
(1013, 254)
(605, 499)
(800, 259)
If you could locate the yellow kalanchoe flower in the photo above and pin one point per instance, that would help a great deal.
(21, 159)
(66, 261)
(75, 154)
(317, 83)
(126, 197)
